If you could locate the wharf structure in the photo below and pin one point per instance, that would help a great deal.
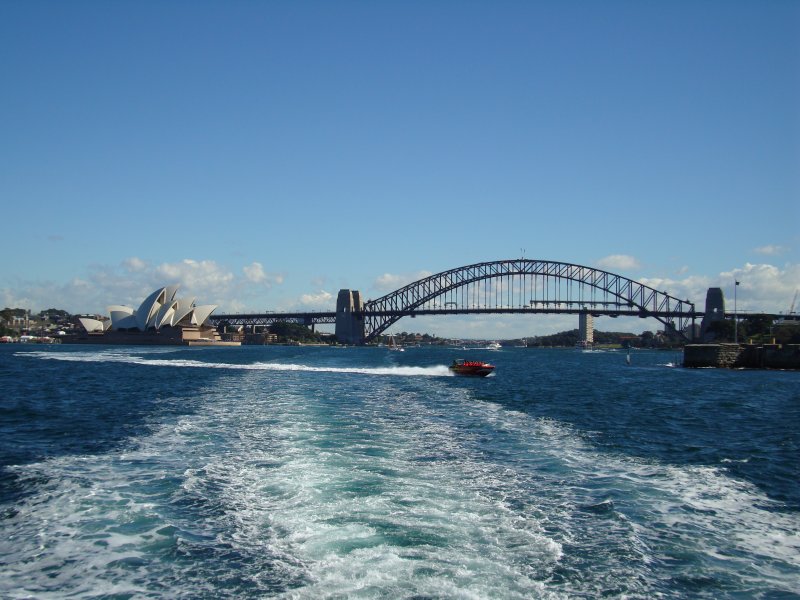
(161, 319)
(742, 356)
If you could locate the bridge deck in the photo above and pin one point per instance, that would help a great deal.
(318, 318)
(330, 317)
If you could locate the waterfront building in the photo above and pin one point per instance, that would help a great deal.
(162, 318)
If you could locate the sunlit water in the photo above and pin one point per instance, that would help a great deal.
(253, 472)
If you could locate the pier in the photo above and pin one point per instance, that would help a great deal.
(742, 356)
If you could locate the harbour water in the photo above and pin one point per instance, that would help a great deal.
(294, 472)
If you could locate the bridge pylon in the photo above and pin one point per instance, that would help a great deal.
(349, 317)
(715, 309)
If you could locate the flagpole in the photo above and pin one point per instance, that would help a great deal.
(735, 317)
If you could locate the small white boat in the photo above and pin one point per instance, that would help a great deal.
(494, 346)
(393, 345)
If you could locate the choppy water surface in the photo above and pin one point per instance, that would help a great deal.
(324, 472)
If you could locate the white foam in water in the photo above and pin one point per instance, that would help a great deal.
(318, 492)
(683, 510)
(422, 529)
(106, 356)
(68, 533)
(740, 519)
(281, 482)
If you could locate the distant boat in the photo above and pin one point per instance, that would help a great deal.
(471, 368)
(393, 345)
(494, 346)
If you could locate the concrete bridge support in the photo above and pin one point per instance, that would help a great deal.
(715, 309)
(585, 328)
(349, 325)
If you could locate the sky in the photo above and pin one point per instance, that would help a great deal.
(264, 155)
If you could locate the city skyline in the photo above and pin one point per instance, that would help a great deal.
(265, 156)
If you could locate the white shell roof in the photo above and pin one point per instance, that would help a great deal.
(160, 309)
(201, 313)
(149, 308)
(91, 325)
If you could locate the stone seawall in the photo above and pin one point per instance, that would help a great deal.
(742, 356)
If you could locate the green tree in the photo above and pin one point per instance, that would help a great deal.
(294, 332)
(55, 315)
(787, 333)
(756, 325)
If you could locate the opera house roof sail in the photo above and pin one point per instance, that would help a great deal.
(161, 310)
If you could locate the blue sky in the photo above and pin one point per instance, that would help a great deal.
(266, 154)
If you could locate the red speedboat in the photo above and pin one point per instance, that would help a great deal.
(474, 368)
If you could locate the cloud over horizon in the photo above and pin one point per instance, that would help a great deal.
(322, 300)
(389, 282)
(764, 287)
(621, 262)
(770, 250)
(130, 281)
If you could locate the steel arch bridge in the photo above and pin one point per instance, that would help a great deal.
(526, 286)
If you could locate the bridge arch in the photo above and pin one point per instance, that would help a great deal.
(526, 286)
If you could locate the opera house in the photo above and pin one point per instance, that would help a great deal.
(160, 319)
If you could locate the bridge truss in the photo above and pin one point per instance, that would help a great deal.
(506, 286)
(527, 286)
(308, 319)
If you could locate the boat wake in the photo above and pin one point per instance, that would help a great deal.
(311, 487)
(133, 359)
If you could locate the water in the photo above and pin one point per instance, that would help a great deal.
(253, 472)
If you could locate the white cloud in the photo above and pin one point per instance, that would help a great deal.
(199, 277)
(770, 250)
(130, 281)
(234, 306)
(762, 287)
(618, 261)
(11, 298)
(323, 299)
(691, 288)
(389, 282)
(134, 264)
(255, 273)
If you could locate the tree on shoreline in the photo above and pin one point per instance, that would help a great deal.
(295, 332)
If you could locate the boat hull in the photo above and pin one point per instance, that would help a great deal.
(471, 369)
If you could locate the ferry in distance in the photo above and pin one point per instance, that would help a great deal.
(471, 368)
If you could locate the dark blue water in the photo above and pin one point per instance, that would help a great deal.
(331, 472)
